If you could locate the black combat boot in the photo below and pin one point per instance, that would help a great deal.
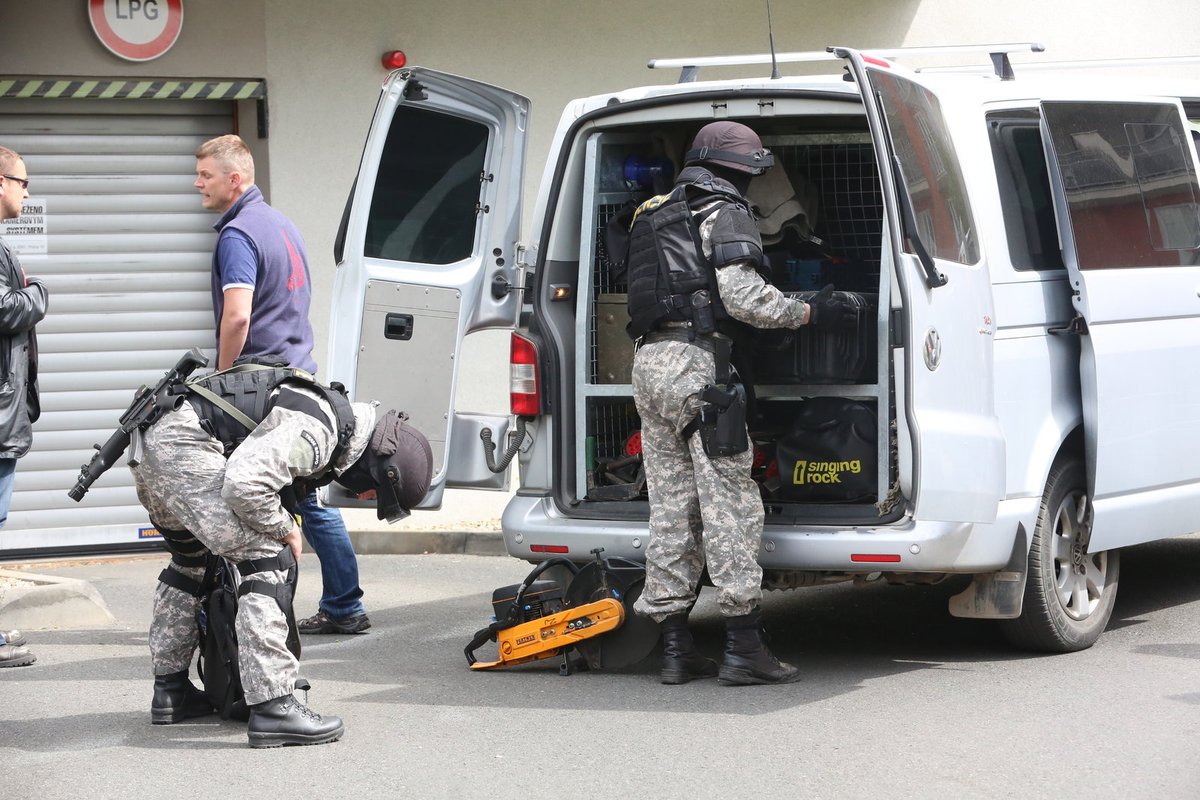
(176, 699)
(681, 663)
(747, 660)
(285, 720)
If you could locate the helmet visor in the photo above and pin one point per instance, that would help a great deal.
(387, 496)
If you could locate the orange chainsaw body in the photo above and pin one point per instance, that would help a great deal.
(546, 637)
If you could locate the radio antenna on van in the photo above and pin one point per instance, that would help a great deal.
(771, 40)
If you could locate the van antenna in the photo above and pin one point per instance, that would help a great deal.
(771, 39)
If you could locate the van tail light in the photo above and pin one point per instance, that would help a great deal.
(523, 377)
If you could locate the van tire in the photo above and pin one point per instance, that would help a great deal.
(1069, 594)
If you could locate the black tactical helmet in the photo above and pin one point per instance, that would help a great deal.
(397, 465)
(730, 144)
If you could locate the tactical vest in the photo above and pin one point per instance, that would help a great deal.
(668, 270)
(231, 403)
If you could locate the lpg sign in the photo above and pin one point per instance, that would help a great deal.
(136, 30)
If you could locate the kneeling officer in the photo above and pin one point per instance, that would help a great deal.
(217, 473)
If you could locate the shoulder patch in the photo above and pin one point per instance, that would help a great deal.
(306, 452)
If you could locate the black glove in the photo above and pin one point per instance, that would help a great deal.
(827, 311)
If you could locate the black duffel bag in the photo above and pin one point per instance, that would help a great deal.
(829, 455)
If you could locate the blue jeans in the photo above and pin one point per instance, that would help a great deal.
(8, 470)
(326, 533)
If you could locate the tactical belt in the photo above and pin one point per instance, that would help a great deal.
(186, 549)
(177, 580)
(719, 346)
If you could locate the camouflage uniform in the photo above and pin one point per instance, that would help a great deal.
(232, 507)
(702, 510)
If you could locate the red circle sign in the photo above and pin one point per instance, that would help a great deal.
(136, 30)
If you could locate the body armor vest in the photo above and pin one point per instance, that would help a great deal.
(232, 402)
(669, 276)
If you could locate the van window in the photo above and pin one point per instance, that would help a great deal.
(1024, 182)
(1130, 183)
(930, 168)
(427, 188)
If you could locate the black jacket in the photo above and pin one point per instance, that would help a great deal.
(22, 306)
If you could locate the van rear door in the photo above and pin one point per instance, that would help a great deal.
(932, 248)
(427, 254)
(1129, 209)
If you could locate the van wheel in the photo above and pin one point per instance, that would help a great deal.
(1069, 594)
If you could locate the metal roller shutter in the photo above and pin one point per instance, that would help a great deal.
(127, 266)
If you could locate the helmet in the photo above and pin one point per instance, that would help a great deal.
(730, 144)
(397, 465)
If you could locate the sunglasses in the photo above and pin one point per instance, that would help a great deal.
(23, 181)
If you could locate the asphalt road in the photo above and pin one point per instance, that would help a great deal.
(899, 700)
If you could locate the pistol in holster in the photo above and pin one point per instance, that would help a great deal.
(722, 420)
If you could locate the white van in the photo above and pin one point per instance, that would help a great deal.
(1020, 400)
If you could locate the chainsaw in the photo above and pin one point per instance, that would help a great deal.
(589, 623)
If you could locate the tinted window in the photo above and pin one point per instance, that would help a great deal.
(1130, 183)
(1025, 198)
(427, 188)
(930, 168)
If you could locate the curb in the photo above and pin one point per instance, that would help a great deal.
(470, 543)
(42, 602)
(47, 602)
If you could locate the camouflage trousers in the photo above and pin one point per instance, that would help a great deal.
(702, 510)
(179, 483)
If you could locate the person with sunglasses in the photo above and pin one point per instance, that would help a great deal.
(23, 303)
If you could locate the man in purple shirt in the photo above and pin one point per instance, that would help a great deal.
(261, 295)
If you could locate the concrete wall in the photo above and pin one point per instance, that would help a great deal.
(321, 61)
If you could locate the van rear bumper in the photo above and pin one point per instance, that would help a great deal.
(905, 546)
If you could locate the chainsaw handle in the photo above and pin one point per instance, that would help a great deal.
(538, 570)
(481, 638)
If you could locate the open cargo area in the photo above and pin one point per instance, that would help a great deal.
(820, 416)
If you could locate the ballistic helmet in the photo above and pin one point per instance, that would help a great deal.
(397, 464)
(730, 144)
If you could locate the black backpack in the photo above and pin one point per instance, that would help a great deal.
(217, 663)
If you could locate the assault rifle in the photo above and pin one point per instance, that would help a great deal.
(147, 406)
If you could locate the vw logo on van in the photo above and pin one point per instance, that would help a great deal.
(933, 349)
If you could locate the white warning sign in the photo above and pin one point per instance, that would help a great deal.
(26, 235)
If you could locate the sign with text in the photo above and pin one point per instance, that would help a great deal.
(136, 30)
(26, 234)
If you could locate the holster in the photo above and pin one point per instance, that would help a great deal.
(722, 421)
(722, 417)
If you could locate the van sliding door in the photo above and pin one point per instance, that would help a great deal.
(1129, 204)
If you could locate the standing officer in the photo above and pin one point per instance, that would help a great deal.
(685, 302)
(261, 296)
(216, 482)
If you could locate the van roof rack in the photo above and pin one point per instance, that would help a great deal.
(1104, 63)
(689, 67)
